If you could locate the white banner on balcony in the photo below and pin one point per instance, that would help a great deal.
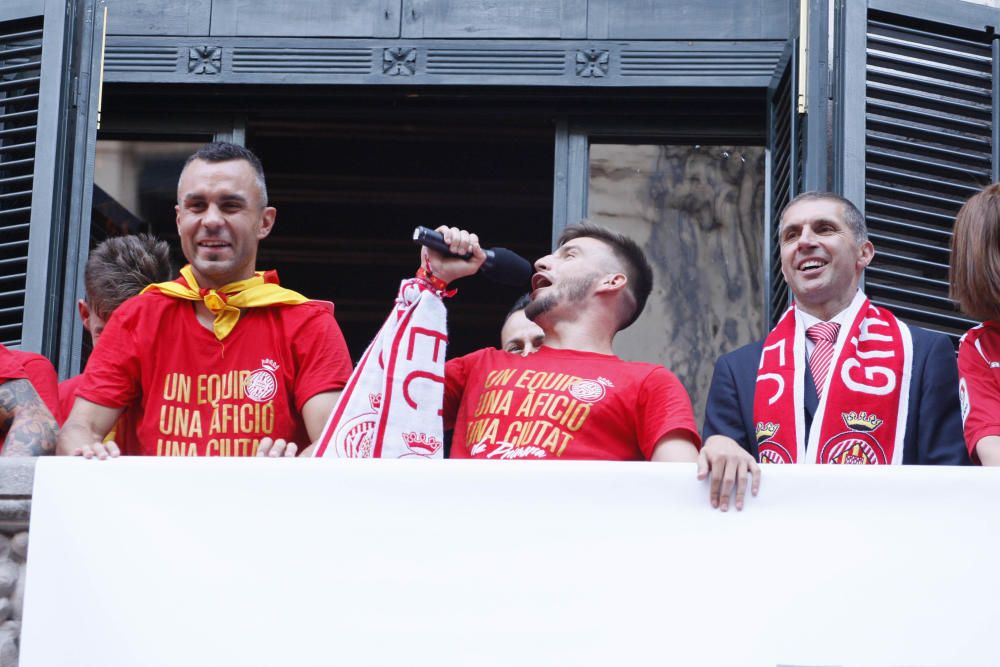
(247, 562)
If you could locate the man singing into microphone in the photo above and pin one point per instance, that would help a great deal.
(573, 399)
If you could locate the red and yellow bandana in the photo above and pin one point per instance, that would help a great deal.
(861, 418)
(226, 301)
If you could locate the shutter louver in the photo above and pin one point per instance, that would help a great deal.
(787, 157)
(20, 75)
(928, 149)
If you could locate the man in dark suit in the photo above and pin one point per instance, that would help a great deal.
(838, 380)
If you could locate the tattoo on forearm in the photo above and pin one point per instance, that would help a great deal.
(28, 428)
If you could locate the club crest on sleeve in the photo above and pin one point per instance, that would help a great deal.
(262, 385)
(963, 399)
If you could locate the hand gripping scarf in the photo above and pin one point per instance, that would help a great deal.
(861, 418)
(225, 302)
(391, 406)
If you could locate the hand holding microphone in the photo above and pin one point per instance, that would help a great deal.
(458, 254)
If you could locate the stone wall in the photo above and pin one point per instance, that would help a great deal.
(698, 212)
(16, 477)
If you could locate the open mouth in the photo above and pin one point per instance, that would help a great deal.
(812, 265)
(539, 281)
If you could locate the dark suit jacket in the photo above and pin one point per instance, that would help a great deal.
(933, 424)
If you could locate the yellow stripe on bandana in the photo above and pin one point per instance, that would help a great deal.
(225, 302)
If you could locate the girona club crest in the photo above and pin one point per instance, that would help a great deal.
(590, 391)
(355, 438)
(768, 449)
(856, 446)
(421, 444)
(262, 384)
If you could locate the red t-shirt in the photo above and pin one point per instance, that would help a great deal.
(979, 383)
(67, 395)
(42, 375)
(10, 365)
(561, 404)
(122, 433)
(194, 395)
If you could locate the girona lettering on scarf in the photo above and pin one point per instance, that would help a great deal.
(878, 380)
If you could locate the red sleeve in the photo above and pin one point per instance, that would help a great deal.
(42, 375)
(456, 374)
(10, 366)
(112, 375)
(663, 406)
(67, 395)
(322, 360)
(979, 397)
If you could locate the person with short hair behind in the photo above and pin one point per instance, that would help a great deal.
(519, 335)
(117, 269)
(222, 361)
(975, 287)
(839, 379)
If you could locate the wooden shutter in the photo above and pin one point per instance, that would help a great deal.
(20, 77)
(48, 104)
(928, 148)
(785, 159)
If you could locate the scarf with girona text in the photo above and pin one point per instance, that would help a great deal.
(391, 406)
(861, 416)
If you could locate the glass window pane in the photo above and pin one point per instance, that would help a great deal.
(136, 183)
(698, 212)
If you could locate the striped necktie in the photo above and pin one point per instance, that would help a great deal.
(824, 335)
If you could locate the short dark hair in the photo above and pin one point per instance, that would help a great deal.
(223, 151)
(521, 303)
(120, 267)
(853, 218)
(636, 266)
(975, 256)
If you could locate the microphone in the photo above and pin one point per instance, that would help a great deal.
(502, 266)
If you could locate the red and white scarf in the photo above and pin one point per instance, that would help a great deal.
(391, 406)
(861, 418)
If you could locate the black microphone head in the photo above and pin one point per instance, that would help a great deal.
(507, 268)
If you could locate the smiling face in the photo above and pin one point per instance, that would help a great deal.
(821, 259)
(220, 220)
(567, 277)
(520, 335)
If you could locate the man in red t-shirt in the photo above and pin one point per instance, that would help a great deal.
(573, 399)
(27, 427)
(223, 361)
